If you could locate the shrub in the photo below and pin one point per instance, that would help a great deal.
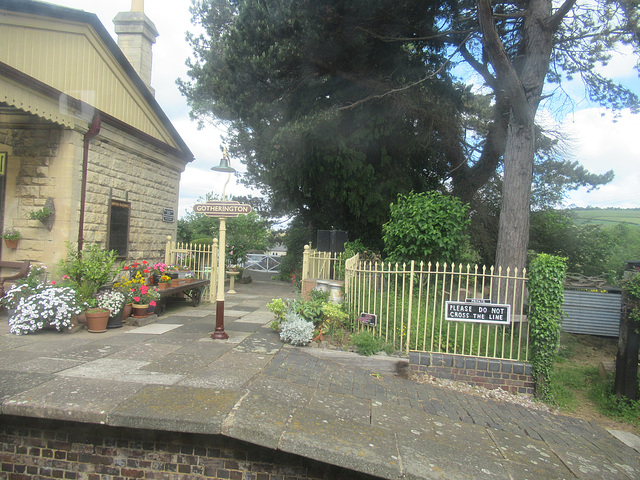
(296, 330)
(366, 344)
(426, 226)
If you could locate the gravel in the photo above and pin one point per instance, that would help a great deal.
(498, 394)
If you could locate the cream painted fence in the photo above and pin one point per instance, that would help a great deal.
(202, 260)
(409, 301)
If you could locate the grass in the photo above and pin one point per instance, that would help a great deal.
(580, 385)
(608, 216)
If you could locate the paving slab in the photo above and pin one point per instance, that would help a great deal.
(230, 371)
(177, 364)
(345, 443)
(206, 347)
(176, 408)
(148, 351)
(154, 328)
(77, 399)
(45, 365)
(259, 419)
(13, 382)
(627, 438)
(119, 369)
(342, 407)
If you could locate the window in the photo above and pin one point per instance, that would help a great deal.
(119, 227)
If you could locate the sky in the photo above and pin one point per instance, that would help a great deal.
(599, 141)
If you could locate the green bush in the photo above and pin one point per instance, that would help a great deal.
(366, 343)
(426, 226)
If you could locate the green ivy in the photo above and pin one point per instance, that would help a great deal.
(632, 290)
(546, 293)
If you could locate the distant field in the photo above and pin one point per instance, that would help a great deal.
(607, 217)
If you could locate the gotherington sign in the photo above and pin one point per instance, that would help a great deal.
(222, 209)
(470, 311)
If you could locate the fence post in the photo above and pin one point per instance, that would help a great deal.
(213, 283)
(411, 275)
(305, 262)
(167, 251)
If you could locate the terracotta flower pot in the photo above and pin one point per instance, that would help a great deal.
(126, 312)
(163, 286)
(97, 319)
(140, 311)
(11, 243)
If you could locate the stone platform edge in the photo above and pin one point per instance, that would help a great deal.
(509, 375)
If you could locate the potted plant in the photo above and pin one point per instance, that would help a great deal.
(113, 301)
(97, 317)
(11, 238)
(89, 269)
(164, 282)
(37, 304)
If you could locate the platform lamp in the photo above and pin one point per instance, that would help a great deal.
(219, 333)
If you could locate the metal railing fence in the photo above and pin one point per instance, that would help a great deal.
(322, 265)
(201, 259)
(409, 301)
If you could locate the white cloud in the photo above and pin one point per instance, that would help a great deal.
(603, 142)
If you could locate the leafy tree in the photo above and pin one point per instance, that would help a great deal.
(426, 226)
(516, 47)
(293, 80)
(337, 106)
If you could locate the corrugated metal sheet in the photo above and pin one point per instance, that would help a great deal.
(592, 313)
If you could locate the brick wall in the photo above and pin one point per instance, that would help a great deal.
(38, 449)
(513, 377)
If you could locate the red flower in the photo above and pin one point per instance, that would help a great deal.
(152, 303)
(126, 267)
(136, 299)
(146, 270)
(144, 262)
(53, 282)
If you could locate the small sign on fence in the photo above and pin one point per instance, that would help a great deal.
(370, 319)
(478, 312)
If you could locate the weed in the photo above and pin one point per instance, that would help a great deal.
(366, 343)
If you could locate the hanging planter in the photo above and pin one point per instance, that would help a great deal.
(11, 238)
(45, 215)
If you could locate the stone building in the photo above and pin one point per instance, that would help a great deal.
(82, 135)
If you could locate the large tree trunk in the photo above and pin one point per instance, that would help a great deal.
(521, 80)
(513, 233)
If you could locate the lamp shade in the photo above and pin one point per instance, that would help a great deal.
(224, 166)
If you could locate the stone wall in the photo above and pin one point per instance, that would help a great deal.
(35, 448)
(45, 161)
(511, 376)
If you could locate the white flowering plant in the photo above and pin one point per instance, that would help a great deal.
(48, 306)
(296, 330)
(112, 300)
(24, 287)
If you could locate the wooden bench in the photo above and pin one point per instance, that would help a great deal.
(23, 270)
(192, 290)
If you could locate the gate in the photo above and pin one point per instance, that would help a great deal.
(262, 263)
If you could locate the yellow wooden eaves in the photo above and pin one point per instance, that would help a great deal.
(71, 58)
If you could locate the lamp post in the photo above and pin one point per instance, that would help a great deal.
(219, 333)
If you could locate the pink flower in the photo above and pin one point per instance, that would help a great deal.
(144, 289)
(136, 299)
(66, 277)
(152, 303)
(53, 282)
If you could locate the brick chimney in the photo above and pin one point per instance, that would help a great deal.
(136, 35)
